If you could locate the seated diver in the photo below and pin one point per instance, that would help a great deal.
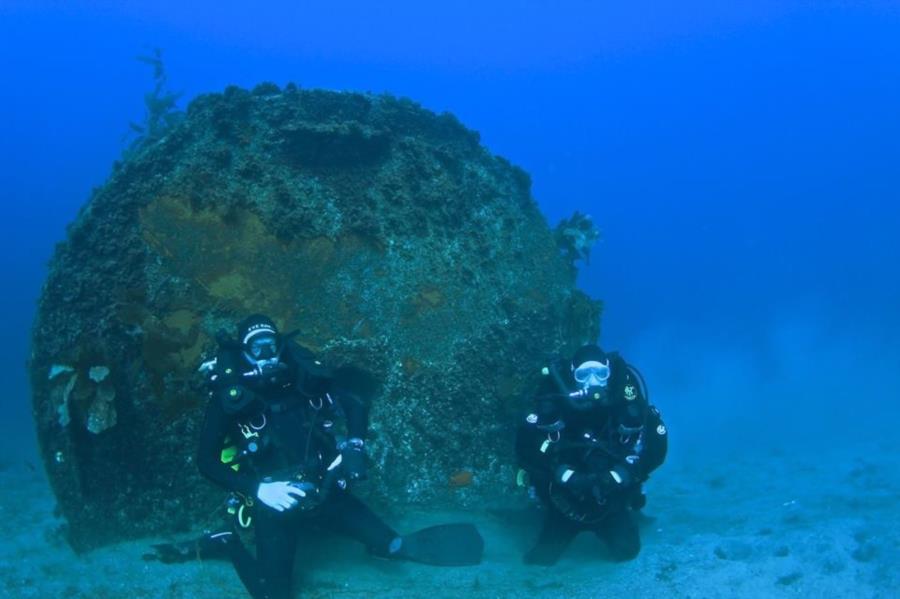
(275, 409)
(585, 451)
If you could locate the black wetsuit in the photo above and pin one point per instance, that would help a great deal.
(286, 430)
(625, 436)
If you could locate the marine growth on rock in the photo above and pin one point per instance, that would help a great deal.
(386, 234)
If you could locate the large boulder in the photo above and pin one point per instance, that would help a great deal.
(385, 233)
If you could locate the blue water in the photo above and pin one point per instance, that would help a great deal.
(741, 162)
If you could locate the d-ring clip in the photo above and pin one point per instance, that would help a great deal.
(261, 426)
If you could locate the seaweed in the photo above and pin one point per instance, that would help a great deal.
(161, 111)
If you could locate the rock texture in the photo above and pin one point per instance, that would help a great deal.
(385, 233)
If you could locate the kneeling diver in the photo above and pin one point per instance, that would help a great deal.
(276, 410)
(585, 451)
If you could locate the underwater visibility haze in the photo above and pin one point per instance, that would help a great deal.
(396, 181)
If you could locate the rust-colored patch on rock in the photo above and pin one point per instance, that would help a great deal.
(461, 478)
(431, 297)
(410, 366)
(171, 346)
(314, 284)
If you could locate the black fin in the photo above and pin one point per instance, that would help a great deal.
(444, 545)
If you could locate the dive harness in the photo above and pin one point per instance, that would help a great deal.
(253, 443)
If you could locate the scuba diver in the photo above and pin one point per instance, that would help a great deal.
(585, 451)
(272, 439)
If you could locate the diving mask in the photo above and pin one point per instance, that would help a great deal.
(263, 347)
(592, 374)
(263, 352)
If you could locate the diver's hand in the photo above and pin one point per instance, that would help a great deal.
(610, 482)
(279, 495)
(353, 459)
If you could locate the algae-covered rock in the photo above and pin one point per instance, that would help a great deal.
(385, 233)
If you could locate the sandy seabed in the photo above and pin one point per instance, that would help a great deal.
(772, 523)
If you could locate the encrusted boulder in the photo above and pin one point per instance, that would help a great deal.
(386, 234)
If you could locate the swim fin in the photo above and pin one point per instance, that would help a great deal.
(444, 545)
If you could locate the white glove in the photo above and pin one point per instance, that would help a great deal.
(279, 495)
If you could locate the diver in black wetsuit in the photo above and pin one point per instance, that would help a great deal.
(585, 451)
(271, 439)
